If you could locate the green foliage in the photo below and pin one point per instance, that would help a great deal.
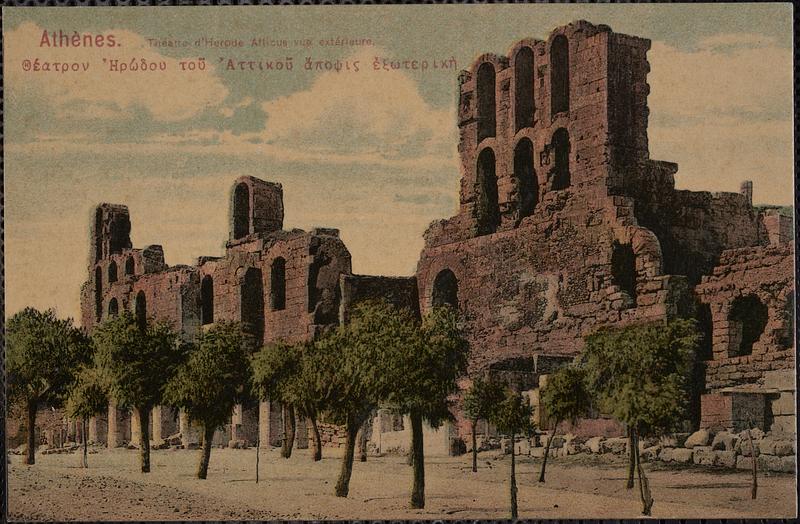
(512, 415)
(304, 391)
(429, 358)
(213, 378)
(275, 367)
(137, 363)
(640, 373)
(43, 355)
(565, 397)
(89, 395)
(352, 368)
(482, 398)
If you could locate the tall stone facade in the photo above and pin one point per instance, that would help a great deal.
(565, 224)
(280, 284)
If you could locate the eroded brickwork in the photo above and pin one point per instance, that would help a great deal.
(280, 284)
(565, 224)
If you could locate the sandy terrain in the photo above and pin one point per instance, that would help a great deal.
(56, 488)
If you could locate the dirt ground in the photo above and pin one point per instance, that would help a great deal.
(113, 488)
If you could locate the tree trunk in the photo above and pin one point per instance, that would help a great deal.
(474, 447)
(644, 485)
(547, 453)
(343, 484)
(631, 459)
(85, 443)
(754, 488)
(30, 458)
(288, 431)
(317, 439)
(513, 481)
(205, 453)
(418, 463)
(144, 437)
(258, 452)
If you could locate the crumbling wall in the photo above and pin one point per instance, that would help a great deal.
(750, 276)
(399, 291)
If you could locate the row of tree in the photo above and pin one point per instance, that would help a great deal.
(639, 374)
(383, 357)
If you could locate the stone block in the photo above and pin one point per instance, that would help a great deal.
(698, 438)
(594, 444)
(616, 445)
(725, 458)
(650, 454)
(724, 441)
(784, 404)
(704, 456)
(680, 455)
(743, 462)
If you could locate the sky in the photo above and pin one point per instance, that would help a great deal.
(373, 153)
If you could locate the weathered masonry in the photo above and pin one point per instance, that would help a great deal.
(565, 224)
(280, 284)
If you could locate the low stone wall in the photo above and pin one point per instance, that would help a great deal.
(774, 452)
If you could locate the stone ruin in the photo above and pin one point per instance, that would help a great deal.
(565, 224)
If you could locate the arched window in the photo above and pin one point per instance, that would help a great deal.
(252, 305)
(130, 266)
(528, 186)
(488, 209)
(241, 211)
(560, 145)
(277, 286)
(445, 289)
(207, 300)
(112, 272)
(98, 293)
(559, 75)
(523, 88)
(623, 268)
(747, 319)
(113, 308)
(140, 310)
(486, 103)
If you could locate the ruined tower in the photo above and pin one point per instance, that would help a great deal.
(565, 223)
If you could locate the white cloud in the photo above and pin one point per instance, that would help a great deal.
(723, 112)
(752, 78)
(368, 112)
(169, 95)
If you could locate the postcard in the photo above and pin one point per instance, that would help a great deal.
(400, 262)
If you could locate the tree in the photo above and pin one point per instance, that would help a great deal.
(350, 371)
(275, 366)
(424, 360)
(43, 355)
(211, 382)
(640, 376)
(138, 359)
(513, 417)
(479, 401)
(564, 398)
(306, 394)
(87, 398)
